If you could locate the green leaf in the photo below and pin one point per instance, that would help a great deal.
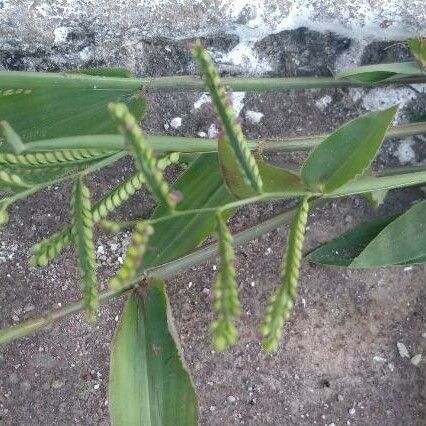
(380, 72)
(402, 241)
(275, 179)
(376, 198)
(149, 382)
(177, 236)
(42, 106)
(418, 49)
(347, 152)
(344, 249)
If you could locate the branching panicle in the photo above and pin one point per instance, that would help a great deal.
(282, 301)
(142, 153)
(226, 303)
(228, 118)
(134, 255)
(82, 231)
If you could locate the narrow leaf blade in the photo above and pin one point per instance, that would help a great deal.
(347, 152)
(344, 249)
(149, 382)
(402, 241)
(380, 72)
(42, 107)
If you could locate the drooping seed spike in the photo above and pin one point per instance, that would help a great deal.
(142, 152)
(225, 294)
(82, 231)
(12, 181)
(228, 118)
(282, 301)
(51, 247)
(52, 158)
(134, 255)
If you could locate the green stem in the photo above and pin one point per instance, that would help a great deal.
(161, 144)
(22, 79)
(165, 271)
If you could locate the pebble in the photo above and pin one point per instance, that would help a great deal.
(100, 250)
(340, 398)
(402, 349)
(254, 117)
(324, 102)
(57, 384)
(213, 131)
(416, 359)
(202, 134)
(391, 366)
(231, 399)
(29, 308)
(176, 122)
(352, 411)
(96, 387)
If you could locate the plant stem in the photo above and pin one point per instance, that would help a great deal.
(165, 271)
(20, 79)
(161, 144)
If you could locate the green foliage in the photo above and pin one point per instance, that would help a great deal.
(142, 153)
(381, 72)
(282, 301)
(134, 255)
(82, 230)
(227, 116)
(418, 49)
(344, 249)
(275, 179)
(347, 152)
(225, 291)
(401, 242)
(44, 106)
(149, 382)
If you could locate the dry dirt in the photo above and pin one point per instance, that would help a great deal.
(338, 363)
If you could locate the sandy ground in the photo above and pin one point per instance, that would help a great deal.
(338, 363)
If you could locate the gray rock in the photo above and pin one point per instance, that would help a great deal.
(82, 32)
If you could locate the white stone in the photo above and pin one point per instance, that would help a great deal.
(213, 131)
(176, 122)
(324, 102)
(402, 349)
(416, 359)
(405, 152)
(254, 117)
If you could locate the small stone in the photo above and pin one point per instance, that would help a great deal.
(213, 131)
(331, 424)
(402, 349)
(254, 117)
(206, 291)
(324, 102)
(15, 318)
(176, 122)
(352, 411)
(100, 250)
(340, 398)
(29, 308)
(231, 399)
(379, 359)
(96, 387)
(212, 408)
(416, 359)
(57, 384)
(202, 134)
(391, 366)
